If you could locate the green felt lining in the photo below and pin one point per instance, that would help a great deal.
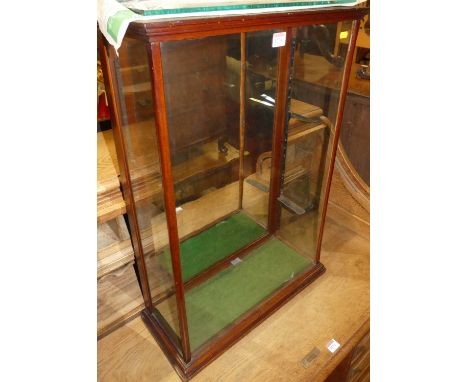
(208, 247)
(220, 300)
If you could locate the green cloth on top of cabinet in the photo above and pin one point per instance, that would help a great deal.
(115, 16)
(220, 300)
(208, 247)
(224, 7)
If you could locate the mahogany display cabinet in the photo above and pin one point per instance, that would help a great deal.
(226, 134)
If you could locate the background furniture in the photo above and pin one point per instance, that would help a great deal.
(118, 292)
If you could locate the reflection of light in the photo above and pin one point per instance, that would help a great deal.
(343, 35)
(268, 98)
(260, 101)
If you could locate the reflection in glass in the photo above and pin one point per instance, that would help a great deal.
(316, 80)
(139, 132)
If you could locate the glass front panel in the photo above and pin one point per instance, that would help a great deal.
(140, 136)
(222, 169)
(220, 208)
(316, 79)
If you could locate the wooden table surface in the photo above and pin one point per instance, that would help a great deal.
(334, 306)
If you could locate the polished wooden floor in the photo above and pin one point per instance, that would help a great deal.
(335, 306)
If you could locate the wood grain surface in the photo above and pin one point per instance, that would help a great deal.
(110, 203)
(118, 292)
(360, 362)
(114, 246)
(119, 298)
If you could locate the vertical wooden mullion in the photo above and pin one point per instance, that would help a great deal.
(154, 51)
(280, 116)
(336, 133)
(242, 119)
(337, 38)
(114, 105)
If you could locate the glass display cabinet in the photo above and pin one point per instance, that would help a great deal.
(226, 131)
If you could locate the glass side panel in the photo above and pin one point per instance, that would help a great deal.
(139, 131)
(355, 128)
(316, 79)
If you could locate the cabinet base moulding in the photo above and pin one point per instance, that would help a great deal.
(228, 337)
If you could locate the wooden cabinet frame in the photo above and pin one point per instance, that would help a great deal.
(186, 363)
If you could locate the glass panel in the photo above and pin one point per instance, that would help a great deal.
(355, 129)
(202, 89)
(317, 73)
(221, 173)
(139, 131)
(261, 72)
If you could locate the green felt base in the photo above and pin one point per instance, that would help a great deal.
(205, 249)
(220, 300)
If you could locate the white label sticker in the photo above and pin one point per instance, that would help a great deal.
(236, 261)
(333, 346)
(279, 39)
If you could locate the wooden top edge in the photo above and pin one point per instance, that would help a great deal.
(231, 24)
